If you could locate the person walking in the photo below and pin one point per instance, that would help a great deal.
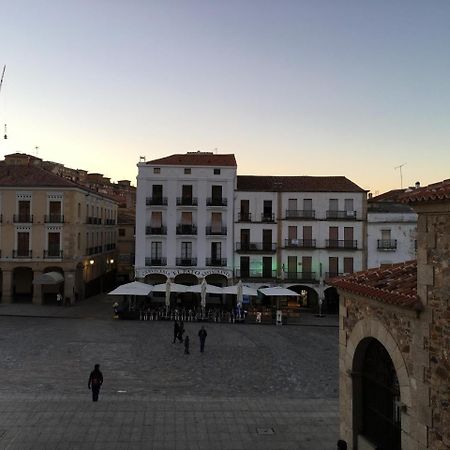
(176, 330)
(180, 331)
(186, 345)
(202, 335)
(95, 382)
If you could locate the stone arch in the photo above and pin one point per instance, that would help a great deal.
(155, 278)
(186, 278)
(217, 279)
(309, 297)
(22, 284)
(49, 291)
(364, 331)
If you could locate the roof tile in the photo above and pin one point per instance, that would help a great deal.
(196, 159)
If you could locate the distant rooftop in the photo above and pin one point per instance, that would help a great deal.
(395, 284)
(296, 184)
(433, 192)
(196, 159)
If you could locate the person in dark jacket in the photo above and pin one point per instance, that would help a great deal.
(202, 335)
(95, 382)
(180, 331)
(176, 330)
(186, 345)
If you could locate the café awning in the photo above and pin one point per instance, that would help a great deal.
(49, 278)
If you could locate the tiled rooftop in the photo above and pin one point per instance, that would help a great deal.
(196, 159)
(296, 184)
(433, 192)
(395, 284)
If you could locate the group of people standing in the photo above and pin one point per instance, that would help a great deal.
(178, 331)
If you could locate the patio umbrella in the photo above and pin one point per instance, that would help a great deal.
(174, 287)
(133, 288)
(239, 296)
(233, 290)
(278, 291)
(210, 289)
(203, 294)
(167, 294)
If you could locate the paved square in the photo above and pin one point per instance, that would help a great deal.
(255, 387)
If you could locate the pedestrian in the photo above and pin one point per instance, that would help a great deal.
(180, 331)
(176, 330)
(186, 345)
(202, 335)
(95, 382)
(59, 299)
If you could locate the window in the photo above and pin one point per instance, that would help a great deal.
(333, 266)
(348, 204)
(334, 204)
(156, 250)
(187, 171)
(156, 170)
(307, 204)
(216, 222)
(53, 244)
(385, 235)
(292, 204)
(292, 234)
(216, 251)
(157, 191)
(216, 171)
(122, 232)
(23, 243)
(79, 210)
(79, 241)
(186, 250)
(348, 265)
(186, 194)
(216, 193)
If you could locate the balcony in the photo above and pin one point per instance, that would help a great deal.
(249, 247)
(300, 243)
(216, 201)
(187, 229)
(110, 222)
(387, 245)
(23, 218)
(244, 217)
(187, 201)
(156, 261)
(342, 244)
(268, 217)
(53, 254)
(156, 230)
(341, 215)
(94, 250)
(294, 214)
(217, 262)
(308, 277)
(93, 220)
(216, 231)
(186, 261)
(54, 218)
(109, 247)
(256, 274)
(156, 201)
(22, 254)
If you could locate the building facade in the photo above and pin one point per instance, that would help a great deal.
(50, 225)
(394, 341)
(197, 219)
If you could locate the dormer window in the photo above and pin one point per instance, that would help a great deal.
(216, 171)
(157, 170)
(187, 171)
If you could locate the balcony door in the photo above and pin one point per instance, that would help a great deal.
(348, 265)
(292, 267)
(54, 209)
(245, 266)
(157, 193)
(156, 221)
(186, 194)
(23, 243)
(216, 251)
(334, 204)
(292, 235)
(245, 210)
(216, 222)
(307, 236)
(306, 266)
(186, 251)
(216, 194)
(54, 244)
(245, 239)
(333, 266)
(267, 267)
(156, 251)
(267, 240)
(292, 207)
(24, 210)
(348, 237)
(267, 209)
(333, 235)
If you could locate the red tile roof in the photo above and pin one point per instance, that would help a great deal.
(296, 184)
(395, 284)
(196, 159)
(433, 192)
(389, 196)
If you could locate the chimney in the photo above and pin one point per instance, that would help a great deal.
(417, 185)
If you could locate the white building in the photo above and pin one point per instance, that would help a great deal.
(391, 230)
(195, 219)
(184, 218)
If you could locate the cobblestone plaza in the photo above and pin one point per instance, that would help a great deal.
(255, 387)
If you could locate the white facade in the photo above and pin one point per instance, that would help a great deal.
(391, 234)
(196, 221)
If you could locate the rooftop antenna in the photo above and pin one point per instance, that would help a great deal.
(3, 76)
(401, 174)
(37, 150)
(6, 132)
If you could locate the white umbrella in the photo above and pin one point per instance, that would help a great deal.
(133, 288)
(174, 287)
(203, 294)
(210, 288)
(245, 290)
(168, 293)
(278, 291)
(240, 295)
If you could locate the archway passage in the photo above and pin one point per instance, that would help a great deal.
(49, 291)
(308, 296)
(22, 284)
(155, 278)
(331, 300)
(376, 396)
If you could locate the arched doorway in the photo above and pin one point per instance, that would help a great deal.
(331, 303)
(308, 296)
(186, 278)
(155, 278)
(22, 284)
(376, 397)
(49, 291)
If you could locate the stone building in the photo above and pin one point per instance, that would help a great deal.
(394, 341)
(56, 236)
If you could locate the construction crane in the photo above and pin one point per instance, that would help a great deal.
(1, 83)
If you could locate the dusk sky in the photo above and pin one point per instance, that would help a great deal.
(313, 87)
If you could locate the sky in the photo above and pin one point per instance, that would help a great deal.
(306, 87)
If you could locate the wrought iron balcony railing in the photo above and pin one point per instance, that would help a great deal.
(341, 215)
(342, 244)
(21, 253)
(216, 230)
(23, 218)
(260, 274)
(387, 244)
(217, 262)
(54, 218)
(53, 253)
(300, 243)
(216, 201)
(156, 201)
(156, 230)
(156, 261)
(264, 247)
(268, 217)
(187, 201)
(187, 229)
(300, 214)
(93, 220)
(186, 261)
(244, 217)
(300, 276)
